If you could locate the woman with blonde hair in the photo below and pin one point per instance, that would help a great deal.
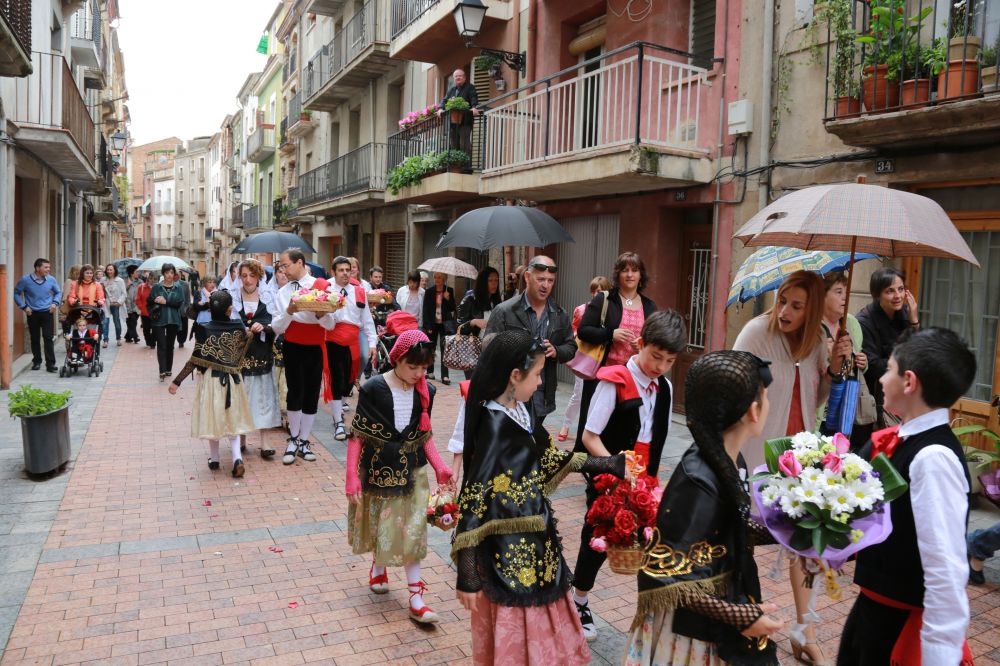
(790, 335)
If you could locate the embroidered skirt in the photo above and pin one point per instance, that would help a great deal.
(282, 386)
(209, 417)
(653, 643)
(528, 636)
(262, 394)
(393, 528)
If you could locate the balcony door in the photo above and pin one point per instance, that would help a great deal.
(588, 101)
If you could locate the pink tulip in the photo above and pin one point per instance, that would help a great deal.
(841, 443)
(599, 544)
(647, 533)
(657, 493)
(832, 462)
(789, 464)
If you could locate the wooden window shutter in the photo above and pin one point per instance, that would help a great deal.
(703, 32)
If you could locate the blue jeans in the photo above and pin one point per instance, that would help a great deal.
(106, 323)
(983, 543)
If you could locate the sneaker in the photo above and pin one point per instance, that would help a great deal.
(586, 621)
(238, 469)
(347, 406)
(339, 432)
(290, 451)
(213, 464)
(304, 451)
(119, 343)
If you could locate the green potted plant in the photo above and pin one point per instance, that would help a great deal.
(845, 85)
(44, 427)
(305, 115)
(977, 459)
(963, 43)
(456, 106)
(916, 85)
(988, 59)
(890, 33)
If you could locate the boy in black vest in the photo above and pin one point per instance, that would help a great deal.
(630, 410)
(913, 608)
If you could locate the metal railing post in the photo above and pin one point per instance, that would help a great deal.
(638, 98)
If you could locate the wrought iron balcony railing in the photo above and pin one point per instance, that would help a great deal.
(435, 135)
(17, 14)
(405, 12)
(360, 170)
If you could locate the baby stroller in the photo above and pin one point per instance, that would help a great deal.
(84, 351)
(397, 322)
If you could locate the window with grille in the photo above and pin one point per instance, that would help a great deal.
(392, 257)
(700, 262)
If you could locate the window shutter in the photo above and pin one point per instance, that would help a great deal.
(703, 32)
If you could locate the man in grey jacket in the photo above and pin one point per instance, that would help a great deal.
(535, 311)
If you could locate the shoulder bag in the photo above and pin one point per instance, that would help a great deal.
(589, 356)
(461, 352)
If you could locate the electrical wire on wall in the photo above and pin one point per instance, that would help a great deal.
(635, 10)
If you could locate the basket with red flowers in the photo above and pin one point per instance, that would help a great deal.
(623, 517)
(442, 511)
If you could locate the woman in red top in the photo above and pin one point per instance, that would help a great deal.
(141, 294)
(87, 290)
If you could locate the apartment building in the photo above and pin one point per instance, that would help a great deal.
(165, 233)
(193, 187)
(143, 161)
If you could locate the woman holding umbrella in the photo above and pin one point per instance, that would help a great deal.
(790, 336)
(439, 319)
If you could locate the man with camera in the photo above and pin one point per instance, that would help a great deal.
(537, 312)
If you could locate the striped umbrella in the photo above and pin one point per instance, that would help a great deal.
(766, 269)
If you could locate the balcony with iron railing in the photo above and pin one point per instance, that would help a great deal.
(199, 206)
(85, 36)
(164, 208)
(286, 144)
(424, 30)
(290, 68)
(449, 158)
(15, 37)
(146, 247)
(163, 243)
(53, 121)
(180, 243)
(922, 80)
(354, 181)
(626, 121)
(236, 215)
(260, 144)
(357, 54)
(300, 122)
(257, 217)
(324, 7)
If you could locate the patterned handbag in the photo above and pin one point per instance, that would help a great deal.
(461, 352)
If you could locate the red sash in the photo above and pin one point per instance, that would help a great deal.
(312, 334)
(906, 651)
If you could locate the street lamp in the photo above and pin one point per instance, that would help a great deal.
(469, 15)
(118, 141)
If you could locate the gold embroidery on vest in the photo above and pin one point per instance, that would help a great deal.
(663, 561)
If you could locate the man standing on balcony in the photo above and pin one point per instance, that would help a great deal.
(38, 295)
(460, 135)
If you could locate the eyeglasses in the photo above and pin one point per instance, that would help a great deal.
(284, 266)
(544, 267)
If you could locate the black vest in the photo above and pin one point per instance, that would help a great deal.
(893, 567)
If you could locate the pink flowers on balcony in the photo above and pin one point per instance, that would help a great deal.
(414, 117)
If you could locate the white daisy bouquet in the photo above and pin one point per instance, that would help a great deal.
(821, 501)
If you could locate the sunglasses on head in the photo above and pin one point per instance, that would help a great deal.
(544, 267)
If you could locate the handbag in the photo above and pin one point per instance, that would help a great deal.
(589, 356)
(461, 352)
(842, 404)
(867, 411)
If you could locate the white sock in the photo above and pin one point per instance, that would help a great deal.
(213, 449)
(338, 411)
(235, 442)
(377, 570)
(413, 579)
(294, 422)
(578, 599)
(306, 426)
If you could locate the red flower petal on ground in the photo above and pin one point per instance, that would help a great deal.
(293, 604)
(207, 503)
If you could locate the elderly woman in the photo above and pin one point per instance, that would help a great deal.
(254, 305)
(790, 337)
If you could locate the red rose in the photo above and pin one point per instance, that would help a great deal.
(642, 501)
(647, 519)
(621, 493)
(617, 537)
(603, 509)
(600, 531)
(625, 522)
(604, 482)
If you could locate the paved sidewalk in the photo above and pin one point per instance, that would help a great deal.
(151, 557)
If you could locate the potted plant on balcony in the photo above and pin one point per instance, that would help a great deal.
(457, 107)
(845, 86)
(963, 43)
(305, 115)
(44, 427)
(988, 59)
(488, 63)
(890, 34)
(956, 79)
(916, 86)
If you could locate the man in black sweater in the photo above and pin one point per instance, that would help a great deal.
(460, 135)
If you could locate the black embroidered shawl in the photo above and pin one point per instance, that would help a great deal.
(220, 346)
(260, 355)
(388, 458)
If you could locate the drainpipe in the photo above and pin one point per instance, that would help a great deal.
(532, 40)
(767, 66)
(6, 223)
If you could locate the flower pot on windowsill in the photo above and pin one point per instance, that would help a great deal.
(847, 107)
(964, 48)
(916, 93)
(959, 80)
(456, 116)
(878, 94)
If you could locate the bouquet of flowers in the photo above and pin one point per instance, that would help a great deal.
(442, 511)
(623, 517)
(379, 297)
(819, 500)
(316, 300)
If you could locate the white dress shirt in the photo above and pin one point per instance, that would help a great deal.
(605, 399)
(282, 319)
(939, 496)
(353, 315)
(457, 442)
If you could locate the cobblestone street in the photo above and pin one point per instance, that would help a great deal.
(139, 554)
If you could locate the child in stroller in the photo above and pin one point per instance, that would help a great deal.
(395, 323)
(83, 342)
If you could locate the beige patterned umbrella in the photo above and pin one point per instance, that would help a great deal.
(855, 217)
(450, 266)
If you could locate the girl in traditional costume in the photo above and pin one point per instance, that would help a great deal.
(511, 571)
(220, 410)
(699, 595)
(386, 482)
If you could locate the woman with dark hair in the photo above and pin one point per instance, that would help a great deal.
(474, 310)
(627, 312)
(790, 335)
(710, 611)
(511, 571)
(165, 301)
(86, 290)
(439, 318)
(410, 297)
(115, 292)
(893, 311)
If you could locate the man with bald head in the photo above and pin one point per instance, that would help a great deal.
(536, 312)
(460, 135)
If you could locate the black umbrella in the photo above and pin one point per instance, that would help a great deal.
(273, 241)
(497, 226)
(122, 264)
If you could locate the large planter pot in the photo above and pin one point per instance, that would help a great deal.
(964, 48)
(915, 93)
(961, 79)
(457, 117)
(990, 79)
(45, 440)
(847, 107)
(878, 93)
